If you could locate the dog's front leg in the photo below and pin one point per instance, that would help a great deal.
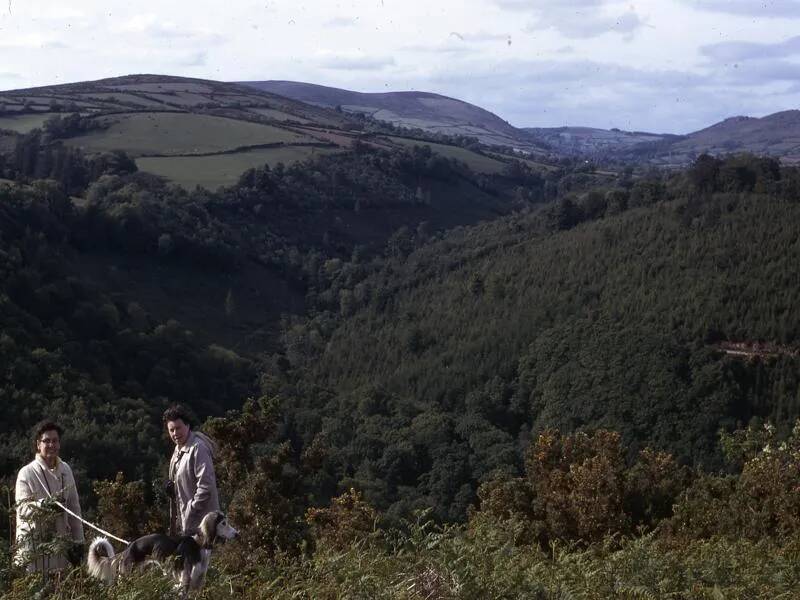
(200, 569)
(185, 579)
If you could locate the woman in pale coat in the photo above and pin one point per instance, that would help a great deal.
(192, 484)
(47, 476)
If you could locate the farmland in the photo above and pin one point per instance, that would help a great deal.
(24, 123)
(168, 133)
(216, 170)
(476, 162)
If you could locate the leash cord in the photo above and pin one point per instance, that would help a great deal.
(81, 519)
(85, 522)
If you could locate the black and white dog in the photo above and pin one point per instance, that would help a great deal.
(184, 558)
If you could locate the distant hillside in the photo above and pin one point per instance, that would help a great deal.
(775, 135)
(430, 112)
(581, 141)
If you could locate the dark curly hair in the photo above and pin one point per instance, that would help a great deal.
(175, 412)
(41, 427)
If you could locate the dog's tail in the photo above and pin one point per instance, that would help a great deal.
(99, 563)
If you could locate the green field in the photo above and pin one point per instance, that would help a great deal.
(223, 169)
(122, 98)
(476, 162)
(180, 133)
(165, 86)
(187, 99)
(24, 123)
(278, 115)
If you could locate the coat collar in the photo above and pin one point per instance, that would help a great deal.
(190, 441)
(42, 462)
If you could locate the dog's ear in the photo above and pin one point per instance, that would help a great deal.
(205, 531)
(220, 517)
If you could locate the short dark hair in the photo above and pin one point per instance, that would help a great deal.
(41, 427)
(175, 412)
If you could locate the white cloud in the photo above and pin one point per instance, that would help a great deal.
(584, 21)
(354, 60)
(743, 51)
(150, 25)
(772, 9)
(342, 22)
(29, 41)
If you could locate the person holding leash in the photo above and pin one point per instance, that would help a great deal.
(192, 484)
(47, 476)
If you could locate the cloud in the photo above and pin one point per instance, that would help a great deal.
(192, 59)
(150, 25)
(546, 5)
(30, 41)
(342, 22)
(357, 61)
(743, 51)
(459, 42)
(480, 36)
(593, 93)
(583, 20)
(754, 75)
(578, 19)
(751, 8)
(449, 47)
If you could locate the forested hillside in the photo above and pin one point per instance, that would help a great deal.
(494, 349)
(122, 293)
(433, 371)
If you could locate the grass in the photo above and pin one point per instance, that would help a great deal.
(180, 133)
(222, 169)
(278, 115)
(187, 99)
(24, 123)
(165, 86)
(121, 97)
(476, 162)
(452, 565)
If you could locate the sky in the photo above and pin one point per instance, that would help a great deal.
(667, 66)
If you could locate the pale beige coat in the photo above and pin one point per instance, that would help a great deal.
(35, 482)
(192, 469)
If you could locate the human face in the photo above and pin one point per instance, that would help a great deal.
(48, 446)
(178, 431)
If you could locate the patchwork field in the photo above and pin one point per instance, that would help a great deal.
(278, 115)
(142, 134)
(476, 162)
(24, 123)
(217, 170)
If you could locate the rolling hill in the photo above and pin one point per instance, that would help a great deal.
(775, 135)
(200, 132)
(429, 112)
(591, 141)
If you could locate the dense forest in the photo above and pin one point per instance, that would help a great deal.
(445, 362)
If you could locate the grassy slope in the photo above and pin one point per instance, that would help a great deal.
(180, 133)
(217, 170)
(476, 162)
(24, 123)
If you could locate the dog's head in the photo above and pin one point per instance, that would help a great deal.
(215, 526)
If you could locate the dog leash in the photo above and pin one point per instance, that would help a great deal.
(81, 519)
